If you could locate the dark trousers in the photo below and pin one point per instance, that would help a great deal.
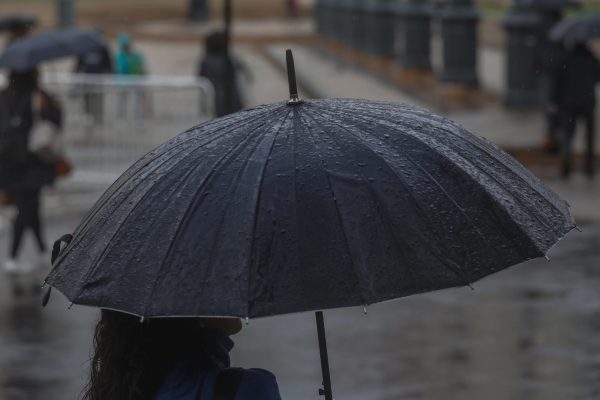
(570, 116)
(28, 216)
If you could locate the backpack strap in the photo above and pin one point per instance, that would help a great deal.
(227, 383)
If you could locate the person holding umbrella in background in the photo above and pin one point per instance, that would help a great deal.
(549, 61)
(577, 100)
(23, 104)
(23, 173)
(95, 62)
(575, 88)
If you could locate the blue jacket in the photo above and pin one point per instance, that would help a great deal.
(256, 384)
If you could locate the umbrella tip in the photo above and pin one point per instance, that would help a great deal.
(291, 71)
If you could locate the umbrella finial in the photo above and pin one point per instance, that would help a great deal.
(294, 99)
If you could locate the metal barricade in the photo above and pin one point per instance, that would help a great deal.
(111, 121)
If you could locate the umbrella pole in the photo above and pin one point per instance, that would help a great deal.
(326, 391)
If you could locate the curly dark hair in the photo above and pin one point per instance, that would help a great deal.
(132, 357)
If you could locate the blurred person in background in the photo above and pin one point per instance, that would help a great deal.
(222, 70)
(95, 63)
(130, 62)
(549, 60)
(576, 99)
(293, 8)
(23, 173)
(171, 359)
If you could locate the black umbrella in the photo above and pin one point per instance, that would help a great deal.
(577, 30)
(25, 54)
(307, 205)
(17, 21)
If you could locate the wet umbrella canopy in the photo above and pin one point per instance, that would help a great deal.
(306, 206)
(577, 30)
(25, 54)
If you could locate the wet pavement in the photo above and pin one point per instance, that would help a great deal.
(530, 332)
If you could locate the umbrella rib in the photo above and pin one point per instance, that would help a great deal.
(364, 145)
(189, 208)
(411, 270)
(337, 210)
(257, 204)
(101, 256)
(515, 173)
(500, 184)
(489, 176)
(482, 145)
(430, 223)
(110, 191)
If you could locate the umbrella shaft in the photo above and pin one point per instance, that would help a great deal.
(324, 359)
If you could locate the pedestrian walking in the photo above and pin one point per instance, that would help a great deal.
(95, 62)
(293, 8)
(171, 358)
(550, 57)
(23, 173)
(577, 101)
(130, 62)
(221, 69)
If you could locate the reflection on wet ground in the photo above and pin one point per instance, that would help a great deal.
(530, 332)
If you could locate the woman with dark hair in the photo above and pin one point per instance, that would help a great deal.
(23, 173)
(171, 358)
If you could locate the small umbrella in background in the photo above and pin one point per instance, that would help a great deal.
(305, 206)
(17, 21)
(550, 4)
(577, 29)
(25, 54)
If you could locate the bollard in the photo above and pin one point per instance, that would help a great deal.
(522, 83)
(459, 41)
(198, 10)
(379, 22)
(325, 14)
(413, 34)
(65, 13)
(358, 34)
(320, 10)
(331, 19)
(342, 22)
